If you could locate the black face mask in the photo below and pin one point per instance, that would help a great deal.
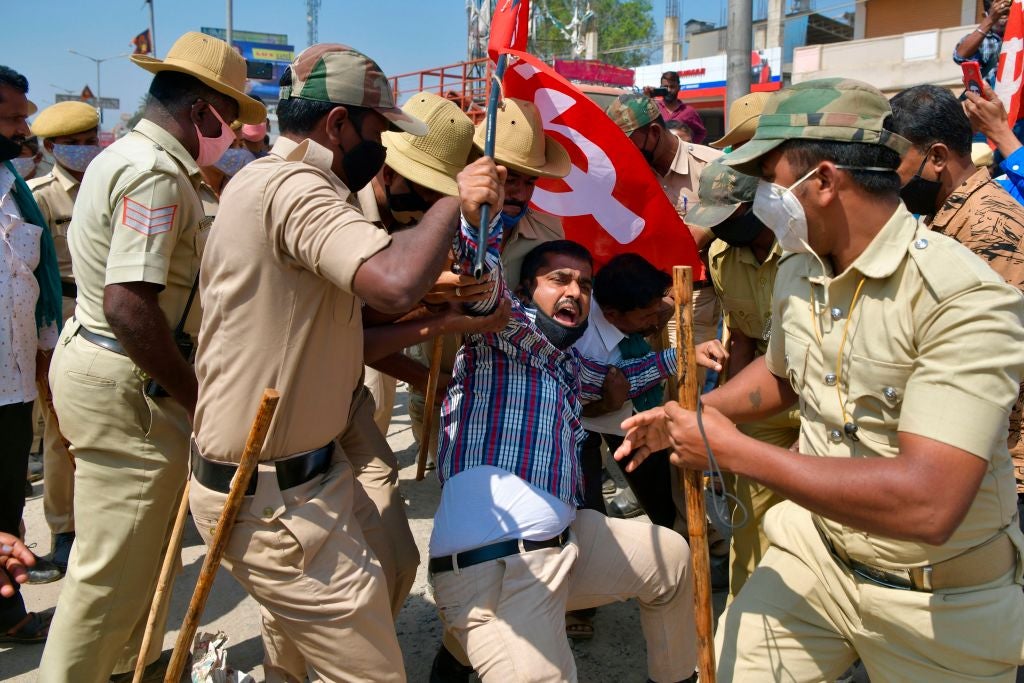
(648, 153)
(921, 195)
(9, 148)
(739, 231)
(558, 334)
(406, 207)
(363, 161)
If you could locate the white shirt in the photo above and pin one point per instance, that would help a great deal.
(486, 504)
(19, 291)
(600, 342)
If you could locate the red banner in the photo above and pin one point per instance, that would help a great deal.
(509, 27)
(1010, 73)
(611, 201)
(593, 71)
(143, 43)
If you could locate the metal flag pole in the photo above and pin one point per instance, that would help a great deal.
(491, 123)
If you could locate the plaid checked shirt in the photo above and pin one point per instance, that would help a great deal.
(514, 398)
(987, 56)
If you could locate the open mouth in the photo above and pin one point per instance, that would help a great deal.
(566, 313)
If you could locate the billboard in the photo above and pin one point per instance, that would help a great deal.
(271, 49)
(709, 72)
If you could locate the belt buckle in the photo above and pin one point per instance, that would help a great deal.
(878, 576)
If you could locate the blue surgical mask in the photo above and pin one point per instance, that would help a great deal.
(232, 161)
(76, 157)
(24, 165)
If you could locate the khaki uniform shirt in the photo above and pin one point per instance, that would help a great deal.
(279, 310)
(535, 228)
(138, 218)
(55, 194)
(983, 217)
(934, 346)
(745, 288)
(683, 178)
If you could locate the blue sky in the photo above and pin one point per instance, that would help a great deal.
(402, 35)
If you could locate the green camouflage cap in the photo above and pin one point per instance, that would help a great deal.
(632, 111)
(834, 109)
(722, 191)
(335, 73)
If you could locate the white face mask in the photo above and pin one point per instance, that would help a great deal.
(782, 212)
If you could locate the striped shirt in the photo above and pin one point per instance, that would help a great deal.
(514, 398)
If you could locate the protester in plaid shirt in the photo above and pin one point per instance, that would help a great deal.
(985, 42)
(510, 553)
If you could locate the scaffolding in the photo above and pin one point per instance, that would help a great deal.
(464, 83)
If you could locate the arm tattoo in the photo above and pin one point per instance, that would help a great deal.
(755, 398)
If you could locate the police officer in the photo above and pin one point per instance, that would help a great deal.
(898, 543)
(123, 390)
(70, 133)
(287, 239)
(744, 259)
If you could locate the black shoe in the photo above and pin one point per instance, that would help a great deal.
(44, 571)
(447, 669)
(62, 543)
(624, 505)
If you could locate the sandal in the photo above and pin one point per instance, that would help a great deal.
(33, 628)
(578, 626)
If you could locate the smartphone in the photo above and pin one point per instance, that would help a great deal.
(972, 76)
(659, 92)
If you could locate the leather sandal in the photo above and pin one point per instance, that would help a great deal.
(33, 628)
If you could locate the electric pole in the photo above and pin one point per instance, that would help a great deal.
(739, 43)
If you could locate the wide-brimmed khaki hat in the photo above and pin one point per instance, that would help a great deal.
(432, 160)
(743, 117)
(520, 143)
(213, 62)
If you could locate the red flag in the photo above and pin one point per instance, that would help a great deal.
(143, 43)
(1010, 72)
(611, 201)
(508, 27)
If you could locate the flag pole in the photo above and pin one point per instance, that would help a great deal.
(489, 128)
(152, 29)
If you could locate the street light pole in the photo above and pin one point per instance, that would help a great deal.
(98, 61)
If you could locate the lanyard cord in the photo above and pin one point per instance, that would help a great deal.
(720, 506)
(848, 425)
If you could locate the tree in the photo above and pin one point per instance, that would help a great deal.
(620, 23)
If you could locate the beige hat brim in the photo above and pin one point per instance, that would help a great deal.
(249, 110)
(557, 163)
(32, 107)
(738, 134)
(420, 168)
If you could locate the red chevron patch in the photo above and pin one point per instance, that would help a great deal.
(145, 220)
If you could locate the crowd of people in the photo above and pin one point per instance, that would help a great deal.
(862, 324)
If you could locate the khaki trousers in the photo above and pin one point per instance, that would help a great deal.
(58, 473)
(132, 460)
(384, 523)
(509, 614)
(302, 555)
(382, 387)
(804, 617)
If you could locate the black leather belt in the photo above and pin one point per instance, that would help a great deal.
(290, 472)
(68, 289)
(108, 343)
(494, 551)
(702, 284)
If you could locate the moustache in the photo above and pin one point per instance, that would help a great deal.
(515, 202)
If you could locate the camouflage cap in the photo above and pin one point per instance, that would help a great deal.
(833, 109)
(722, 191)
(632, 111)
(329, 72)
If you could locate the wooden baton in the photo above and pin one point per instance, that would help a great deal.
(429, 399)
(239, 483)
(163, 584)
(693, 480)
